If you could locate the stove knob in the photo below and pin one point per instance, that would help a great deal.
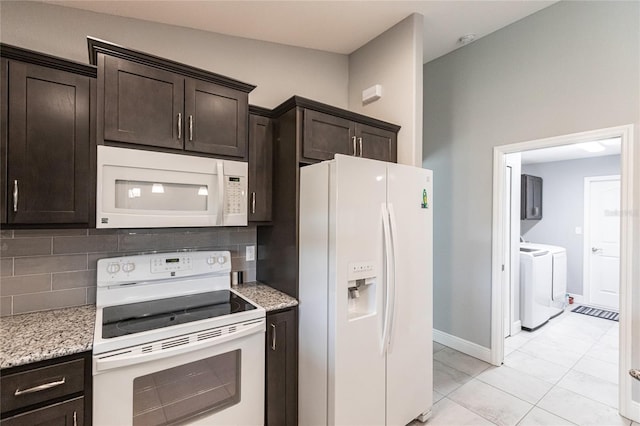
(128, 267)
(211, 260)
(221, 260)
(112, 268)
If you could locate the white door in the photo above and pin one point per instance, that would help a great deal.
(409, 354)
(602, 242)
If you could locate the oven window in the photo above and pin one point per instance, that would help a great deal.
(181, 393)
(160, 196)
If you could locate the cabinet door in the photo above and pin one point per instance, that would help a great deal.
(531, 198)
(216, 119)
(48, 142)
(375, 143)
(260, 168)
(4, 103)
(282, 369)
(142, 104)
(326, 135)
(67, 413)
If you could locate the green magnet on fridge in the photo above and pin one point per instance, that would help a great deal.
(425, 200)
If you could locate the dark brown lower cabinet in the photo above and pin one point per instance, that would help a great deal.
(67, 413)
(52, 392)
(282, 368)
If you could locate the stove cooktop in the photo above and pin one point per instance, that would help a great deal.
(144, 316)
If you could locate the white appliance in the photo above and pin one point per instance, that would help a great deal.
(535, 287)
(174, 344)
(145, 189)
(558, 273)
(365, 290)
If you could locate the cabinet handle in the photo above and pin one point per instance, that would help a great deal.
(253, 203)
(355, 152)
(179, 125)
(273, 337)
(75, 418)
(191, 127)
(39, 388)
(360, 143)
(15, 195)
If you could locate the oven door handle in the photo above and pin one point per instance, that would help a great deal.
(135, 355)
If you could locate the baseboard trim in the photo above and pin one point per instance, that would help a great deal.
(517, 326)
(461, 345)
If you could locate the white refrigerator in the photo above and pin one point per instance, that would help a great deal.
(365, 292)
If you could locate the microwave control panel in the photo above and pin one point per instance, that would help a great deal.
(234, 194)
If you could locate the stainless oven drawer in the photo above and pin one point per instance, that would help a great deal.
(42, 384)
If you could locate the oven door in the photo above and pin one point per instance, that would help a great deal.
(217, 382)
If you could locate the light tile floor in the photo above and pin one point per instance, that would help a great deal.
(565, 373)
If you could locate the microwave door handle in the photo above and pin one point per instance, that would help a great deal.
(221, 197)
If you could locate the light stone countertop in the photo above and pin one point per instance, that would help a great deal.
(269, 298)
(37, 336)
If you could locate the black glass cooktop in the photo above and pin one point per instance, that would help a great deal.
(145, 316)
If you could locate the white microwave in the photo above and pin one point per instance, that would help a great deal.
(146, 189)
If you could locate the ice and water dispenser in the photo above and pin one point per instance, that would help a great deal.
(361, 289)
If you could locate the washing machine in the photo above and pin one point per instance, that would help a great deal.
(558, 274)
(535, 287)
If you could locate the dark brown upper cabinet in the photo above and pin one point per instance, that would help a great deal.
(376, 143)
(530, 197)
(142, 104)
(154, 102)
(48, 139)
(326, 135)
(260, 167)
(216, 119)
(324, 131)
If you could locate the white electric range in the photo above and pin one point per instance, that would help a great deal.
(174, 344)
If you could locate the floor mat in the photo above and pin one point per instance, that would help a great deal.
(595, 312)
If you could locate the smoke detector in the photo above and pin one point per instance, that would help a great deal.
(466, 39)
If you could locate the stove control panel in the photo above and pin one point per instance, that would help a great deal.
(150, 267)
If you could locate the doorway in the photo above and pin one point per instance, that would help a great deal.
(602, 241)
(627, 407)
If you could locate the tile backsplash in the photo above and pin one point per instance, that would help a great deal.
(44, 269)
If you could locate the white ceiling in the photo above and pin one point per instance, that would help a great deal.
(570, 152)
(334, 26)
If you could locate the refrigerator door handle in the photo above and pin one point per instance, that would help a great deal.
(394, 250)
(388, 265)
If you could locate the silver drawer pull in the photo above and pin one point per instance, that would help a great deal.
(191, 127)
(39, 388)
(360, 143)
(355, 150)
(179, 125)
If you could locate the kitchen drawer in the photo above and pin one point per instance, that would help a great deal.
(67, 413)
(42, 384)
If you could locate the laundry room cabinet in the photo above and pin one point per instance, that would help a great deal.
(530, 197)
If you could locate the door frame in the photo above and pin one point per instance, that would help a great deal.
(586, 255)
(498, 279)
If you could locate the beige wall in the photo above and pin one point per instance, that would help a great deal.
(279, 71)
(393, 60)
